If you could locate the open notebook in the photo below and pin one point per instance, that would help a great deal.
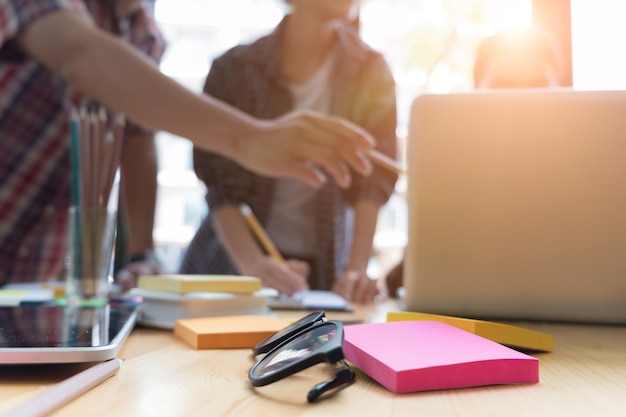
(310, 300)
(517, 205)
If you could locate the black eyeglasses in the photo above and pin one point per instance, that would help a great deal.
(307, 342)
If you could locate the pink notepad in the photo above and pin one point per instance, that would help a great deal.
(408, 356)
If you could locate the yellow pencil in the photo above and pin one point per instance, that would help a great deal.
(260, 233)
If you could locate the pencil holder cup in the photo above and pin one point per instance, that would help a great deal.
(91, 242)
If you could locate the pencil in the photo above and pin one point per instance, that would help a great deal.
(260, 233)
(94, 157)
(76, 189)
(65, 391)
(113, 141)
(384, 161)
(75, 157)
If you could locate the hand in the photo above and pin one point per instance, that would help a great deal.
(287, 278)
(300, 144)
(356, 286)
(127, 277)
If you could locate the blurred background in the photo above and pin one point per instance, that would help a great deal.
(430, 46)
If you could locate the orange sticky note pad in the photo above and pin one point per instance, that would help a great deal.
(227, 331)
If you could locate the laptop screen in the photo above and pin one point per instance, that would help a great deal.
(517, 205)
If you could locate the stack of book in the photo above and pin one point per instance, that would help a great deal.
(167, 298)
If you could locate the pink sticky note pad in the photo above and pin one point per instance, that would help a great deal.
(408, 356)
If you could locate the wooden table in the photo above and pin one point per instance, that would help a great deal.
(163, 376)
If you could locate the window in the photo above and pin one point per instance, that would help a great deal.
(598, 33)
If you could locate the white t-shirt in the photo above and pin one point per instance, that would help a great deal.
(291, 223)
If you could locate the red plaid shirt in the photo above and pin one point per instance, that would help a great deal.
(34, 162)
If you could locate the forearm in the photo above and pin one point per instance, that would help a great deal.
(235, 235)
(109, 71)
(139, 188)
(365, 219)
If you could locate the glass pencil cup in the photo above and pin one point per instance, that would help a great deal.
(91, 243)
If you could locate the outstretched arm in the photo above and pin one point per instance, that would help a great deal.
(109, 71)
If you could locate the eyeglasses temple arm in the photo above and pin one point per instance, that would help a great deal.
(344, 375)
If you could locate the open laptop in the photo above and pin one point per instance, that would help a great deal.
(517, 205)
(38, 333)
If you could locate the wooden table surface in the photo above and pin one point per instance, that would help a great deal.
(163, 376)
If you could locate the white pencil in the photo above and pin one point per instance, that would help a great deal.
(384, 161)
(65, 391)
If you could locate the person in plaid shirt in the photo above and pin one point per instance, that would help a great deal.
(41, 246)
(50, 48)
(313, 60)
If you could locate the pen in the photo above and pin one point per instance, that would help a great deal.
(260, 234)
(65, 391)
(384, 161)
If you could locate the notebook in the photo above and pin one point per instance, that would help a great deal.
(38, 333)
(161, 309)
(184, 284)
(517, 205)
(310, 300)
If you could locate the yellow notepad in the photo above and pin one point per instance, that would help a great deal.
(227, 331)
(200, 283)
(505, 334)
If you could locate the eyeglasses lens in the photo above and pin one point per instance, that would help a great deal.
(296, 350)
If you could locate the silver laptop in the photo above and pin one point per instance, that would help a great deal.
(517, 205)
(37, 333)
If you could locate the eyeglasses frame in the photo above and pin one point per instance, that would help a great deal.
(331, 353)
